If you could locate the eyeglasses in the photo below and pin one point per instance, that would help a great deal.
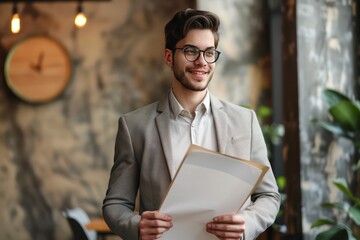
(193, 53)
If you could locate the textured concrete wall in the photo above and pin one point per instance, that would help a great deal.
(58, 155)
(325, 60)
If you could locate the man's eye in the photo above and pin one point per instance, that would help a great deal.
(191, 51)
(210, 53)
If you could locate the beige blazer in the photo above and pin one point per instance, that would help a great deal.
(140, 164)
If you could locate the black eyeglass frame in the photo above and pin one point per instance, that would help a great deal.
(217, 53)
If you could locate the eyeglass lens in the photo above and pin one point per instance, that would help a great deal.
(192, 54)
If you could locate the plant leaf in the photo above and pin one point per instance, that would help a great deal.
(335, 233)
(281, 182)
(356, 166)
(354, 214)
(346, 114)
(321, 222)
(333, 97)
(334, 128)
(357, 103)
(342, 206)
(263, 111)
(341, 184)
(356, 200)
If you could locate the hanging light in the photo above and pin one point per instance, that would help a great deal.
(15, 21)
(80, 19)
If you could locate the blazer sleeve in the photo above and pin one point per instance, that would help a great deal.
(119, 202)
(265, 201)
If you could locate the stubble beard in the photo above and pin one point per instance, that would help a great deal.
(185, 82)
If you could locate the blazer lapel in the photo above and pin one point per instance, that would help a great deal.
(163, 127)
(221, 123)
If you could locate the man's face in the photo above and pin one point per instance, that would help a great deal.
(194, 76)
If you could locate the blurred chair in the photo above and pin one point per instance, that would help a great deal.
(77, 219)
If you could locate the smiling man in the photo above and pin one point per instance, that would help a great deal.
(152, 141)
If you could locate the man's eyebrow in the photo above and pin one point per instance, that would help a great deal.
(190, 45)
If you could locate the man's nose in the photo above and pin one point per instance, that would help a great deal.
(201, 59)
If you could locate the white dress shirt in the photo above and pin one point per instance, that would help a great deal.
(186, 129)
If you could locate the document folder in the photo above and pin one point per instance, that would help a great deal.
(207, 184)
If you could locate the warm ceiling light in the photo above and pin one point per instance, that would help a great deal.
(15, 21)
(80, 19)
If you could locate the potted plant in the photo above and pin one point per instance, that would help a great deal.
(344, 122)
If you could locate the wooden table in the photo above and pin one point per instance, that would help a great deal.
(99, 225)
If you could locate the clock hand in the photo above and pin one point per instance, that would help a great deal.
(38, 66)
(40, 60)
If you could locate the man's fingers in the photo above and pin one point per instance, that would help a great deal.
(158, 231)
(232, 219)
(153, 224)
(226, 235)
(227, 227)
(155, 215)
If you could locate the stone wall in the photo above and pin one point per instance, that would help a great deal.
(58, 155)
(325, 34)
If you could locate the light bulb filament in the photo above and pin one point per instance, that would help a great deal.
(80, 19)
(15, 23)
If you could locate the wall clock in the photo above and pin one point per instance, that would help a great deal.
(38, 69)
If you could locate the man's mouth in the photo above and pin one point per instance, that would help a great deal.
(197, 72)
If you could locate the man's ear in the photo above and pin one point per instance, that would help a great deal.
(168, 56)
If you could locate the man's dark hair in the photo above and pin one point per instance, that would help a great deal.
(184, 21)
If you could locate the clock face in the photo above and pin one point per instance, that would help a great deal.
(38, 69)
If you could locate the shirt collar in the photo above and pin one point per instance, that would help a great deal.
(176, 107)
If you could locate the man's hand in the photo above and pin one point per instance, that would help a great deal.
(153, 224)
(227, 227)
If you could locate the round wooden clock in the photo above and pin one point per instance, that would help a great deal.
(38, 69)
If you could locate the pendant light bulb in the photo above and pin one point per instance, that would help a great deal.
(15, 21)
(80, 19)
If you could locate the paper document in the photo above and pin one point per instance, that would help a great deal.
(207, 184)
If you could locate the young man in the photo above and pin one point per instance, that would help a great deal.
(152, 141)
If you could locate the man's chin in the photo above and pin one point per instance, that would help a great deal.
(195, 88)
(193, 84)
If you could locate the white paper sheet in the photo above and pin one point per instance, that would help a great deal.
(206, 185)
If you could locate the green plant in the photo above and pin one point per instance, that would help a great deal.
(274, 132)
(279, 224)
(344, 122)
